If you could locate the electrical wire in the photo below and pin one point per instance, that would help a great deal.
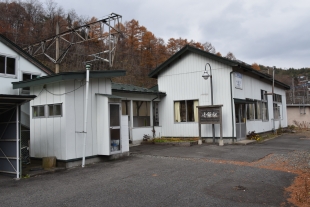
(66, 92)
(191, 72)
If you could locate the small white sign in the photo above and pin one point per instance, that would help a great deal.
(209, 114)
(238, 80)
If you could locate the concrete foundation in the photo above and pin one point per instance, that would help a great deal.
(225, 140)
(78, 162)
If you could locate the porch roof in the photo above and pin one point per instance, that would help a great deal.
(9, 101)
(126, 88)
(68, 76)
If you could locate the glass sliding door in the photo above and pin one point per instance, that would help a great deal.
(115, 128)
(240, 117)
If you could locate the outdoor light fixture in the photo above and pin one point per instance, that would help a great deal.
(206, 75)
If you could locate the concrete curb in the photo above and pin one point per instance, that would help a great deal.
(245, 142)
(43, 172)
(177, 144)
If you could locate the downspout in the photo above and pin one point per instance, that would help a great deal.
(85, 114)
(232, 107)
(153, 115)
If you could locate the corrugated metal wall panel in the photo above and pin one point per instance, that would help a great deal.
(57, 136)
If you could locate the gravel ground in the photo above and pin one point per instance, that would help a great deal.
(287, 153)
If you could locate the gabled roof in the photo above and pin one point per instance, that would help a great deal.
(24, 54)
(68, 76)
(126, 88)
(234, 64)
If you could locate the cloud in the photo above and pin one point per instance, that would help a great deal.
(268, 32)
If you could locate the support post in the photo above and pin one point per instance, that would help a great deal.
(18, 163)
(57, 48)
(131, 120)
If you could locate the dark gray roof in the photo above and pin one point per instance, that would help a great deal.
(154, 88)
(108, 95)
(25, 55)
(119, 87)
(234, 64)
(68, 76)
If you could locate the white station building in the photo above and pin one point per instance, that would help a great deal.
(118, 112)
(240, 89)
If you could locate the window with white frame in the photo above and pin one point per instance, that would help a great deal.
(186, 111)
(258, 110)
(45, 111)
(141, 113)
(250, 111)
(277, 103)
(277, 98)
(38, 111)
(264, 101)
(7, 66)
(28, 76)
(54, 110)
(276, 111)
(255, 110)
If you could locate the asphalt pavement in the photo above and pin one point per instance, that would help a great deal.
(164, 176)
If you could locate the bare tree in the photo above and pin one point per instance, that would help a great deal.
(230, 56)
(207, 46)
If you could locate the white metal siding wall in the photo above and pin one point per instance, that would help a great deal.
(75, 120)
(252, 89)
(183, 81)
(57, 136)
(21, 65)
(47, 135)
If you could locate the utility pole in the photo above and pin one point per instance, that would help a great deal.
(272, 93)
(306, 90)
(293, 88)
(57, 48)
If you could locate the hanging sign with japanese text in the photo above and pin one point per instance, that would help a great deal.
(210, 114)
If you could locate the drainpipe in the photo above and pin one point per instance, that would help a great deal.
(232, 107)
(85, 113)
(153, 115)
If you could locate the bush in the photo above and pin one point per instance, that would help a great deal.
(253, 136)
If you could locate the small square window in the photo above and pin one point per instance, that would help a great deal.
(7, 65)
(50, 110)
(54, 110)
(57, 110)
(2, 64)
(10, 66)
(38, 111)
